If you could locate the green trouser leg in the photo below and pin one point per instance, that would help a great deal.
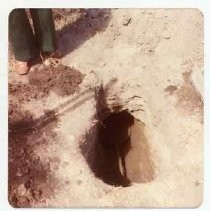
(44, 29)
(25, 44)
(21, 36)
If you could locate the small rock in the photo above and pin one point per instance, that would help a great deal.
(47, 62)
(18, 174)
(166, 35)
(21, 190)
(197, 183)
(102, 64)
(171, 89)
(41, 67)
(151, 50)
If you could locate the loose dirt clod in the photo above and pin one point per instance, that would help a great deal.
(21, 190)
(171, 89)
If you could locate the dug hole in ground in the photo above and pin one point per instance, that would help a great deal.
(118, 121)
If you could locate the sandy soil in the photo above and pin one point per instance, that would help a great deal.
(118, 121)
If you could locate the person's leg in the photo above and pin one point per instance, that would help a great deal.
(44, 29)
(22, 39)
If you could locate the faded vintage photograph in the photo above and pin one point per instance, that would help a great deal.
(105, 108)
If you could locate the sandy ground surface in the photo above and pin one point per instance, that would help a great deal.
(67, 149)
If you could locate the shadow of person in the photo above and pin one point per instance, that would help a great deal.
(75, 34)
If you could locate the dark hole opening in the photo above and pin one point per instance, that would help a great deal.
(117, 151)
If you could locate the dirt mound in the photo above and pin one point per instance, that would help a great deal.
(60, 79)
